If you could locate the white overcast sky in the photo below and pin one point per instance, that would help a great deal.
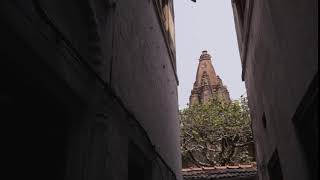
(206, 25)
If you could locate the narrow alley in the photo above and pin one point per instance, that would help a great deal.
(89, 91)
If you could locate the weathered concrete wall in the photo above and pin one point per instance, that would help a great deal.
(114, 61)
(142, 75)
(280, 63)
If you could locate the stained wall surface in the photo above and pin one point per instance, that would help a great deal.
(278, 43)
(107, 70)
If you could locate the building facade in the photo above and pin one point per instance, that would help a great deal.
(278, 44)
(89, 90)
(207, 84)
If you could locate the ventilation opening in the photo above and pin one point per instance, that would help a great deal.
(264, 120)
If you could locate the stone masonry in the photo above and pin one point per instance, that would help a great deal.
(208, 83)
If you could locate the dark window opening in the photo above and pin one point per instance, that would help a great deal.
(306, 126)
(164, 2)
(37, 121)
(274, 167)
(241, 5)
(139, 167)
(264, 120)
(36, 125)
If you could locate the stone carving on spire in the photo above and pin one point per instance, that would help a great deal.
(207, 83)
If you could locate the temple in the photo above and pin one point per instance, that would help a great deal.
(207, 84)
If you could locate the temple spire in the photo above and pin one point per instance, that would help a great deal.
(207, 83)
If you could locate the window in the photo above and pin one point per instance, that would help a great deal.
(139, 167)
(305, 121)
(264, 120)
(240, 9)
(274, 167)
(166, 16)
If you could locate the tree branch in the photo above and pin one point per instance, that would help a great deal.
(197, 162)
(243, 144)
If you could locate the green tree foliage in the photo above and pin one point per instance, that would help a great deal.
(216, 133)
